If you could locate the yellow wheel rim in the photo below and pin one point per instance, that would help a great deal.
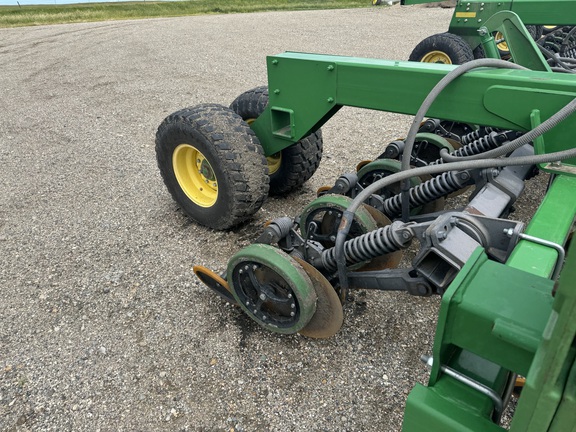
(436, 57)
(195, 175)
(275, 160)
(502, 45)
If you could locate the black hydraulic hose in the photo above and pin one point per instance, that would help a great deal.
(526, 138)
(406, 173)
(428, 101)
(557, 60)
(442, 84)
(348, 214)
(408, 146)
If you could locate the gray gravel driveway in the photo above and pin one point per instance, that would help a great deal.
(103, 326)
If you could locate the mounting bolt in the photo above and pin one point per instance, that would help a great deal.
(508, 231)
(422, 289)
(274, 62)
(277, 91)
(262, 296)
(441, 235)
(464, 176)
(330, 68)
(330, 100)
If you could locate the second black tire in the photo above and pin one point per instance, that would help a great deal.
(294, 165)
(446, 48)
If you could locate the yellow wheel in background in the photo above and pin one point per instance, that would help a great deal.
(436, 57)
(445, 48)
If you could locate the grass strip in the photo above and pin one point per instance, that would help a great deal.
(19, 16)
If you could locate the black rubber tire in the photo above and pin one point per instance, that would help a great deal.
(299, 162)
(478, 52)
(452, 47)
(536, 31)
(234, 154)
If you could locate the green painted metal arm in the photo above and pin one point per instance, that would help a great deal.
(522, 47)
(307, 89)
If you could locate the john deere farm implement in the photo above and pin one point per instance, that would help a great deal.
(483, 129)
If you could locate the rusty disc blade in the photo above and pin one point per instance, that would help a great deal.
(329, 316)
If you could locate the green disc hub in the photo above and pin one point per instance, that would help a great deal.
(272, 288)
(324, 215)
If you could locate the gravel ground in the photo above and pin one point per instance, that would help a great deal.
(103, 326)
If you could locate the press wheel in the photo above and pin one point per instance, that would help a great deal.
(427, 147)
(372, 172)
(272, 288)
(380, 168)
(326, 212)
(329, 316)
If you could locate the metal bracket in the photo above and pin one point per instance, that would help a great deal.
(558, 248)
(495, 397)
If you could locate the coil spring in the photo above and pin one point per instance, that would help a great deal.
(476, 134)
(367, 246)
(481, 145)
(424, 193)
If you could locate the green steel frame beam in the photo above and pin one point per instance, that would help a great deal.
(307, 89)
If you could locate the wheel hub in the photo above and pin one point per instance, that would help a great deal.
(268, 299)
(436, 57)
(195, 175)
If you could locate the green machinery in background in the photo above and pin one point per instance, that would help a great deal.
(508, 293)
(462, 42)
